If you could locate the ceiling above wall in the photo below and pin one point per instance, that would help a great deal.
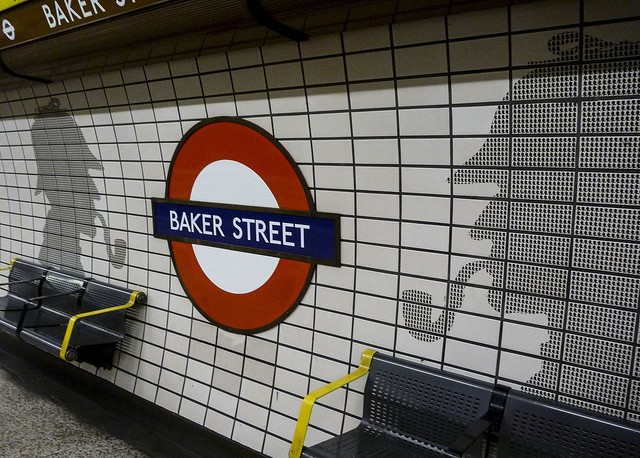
(46, 40)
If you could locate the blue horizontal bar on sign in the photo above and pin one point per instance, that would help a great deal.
(312, 237)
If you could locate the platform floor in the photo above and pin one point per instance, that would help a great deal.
(35, 424)
(49, 408)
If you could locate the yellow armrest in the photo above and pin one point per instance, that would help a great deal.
(79, 316)
(307, 403)
(10, 265)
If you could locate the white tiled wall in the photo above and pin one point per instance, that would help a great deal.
(536, 259)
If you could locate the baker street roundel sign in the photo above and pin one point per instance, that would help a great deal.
(243, 232)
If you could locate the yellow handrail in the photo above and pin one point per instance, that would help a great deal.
(307, 403)
(10, 264)
(79, 316)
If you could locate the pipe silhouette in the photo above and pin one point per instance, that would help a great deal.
(118, 254)
(417, 309)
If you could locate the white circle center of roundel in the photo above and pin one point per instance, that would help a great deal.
(230, 182)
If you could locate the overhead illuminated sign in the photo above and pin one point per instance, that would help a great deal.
(34, 19)
(242, 229)
(6, 4)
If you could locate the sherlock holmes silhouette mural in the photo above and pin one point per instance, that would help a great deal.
(65, 163)
(563, 153)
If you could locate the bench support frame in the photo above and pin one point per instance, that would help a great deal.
(64, 347)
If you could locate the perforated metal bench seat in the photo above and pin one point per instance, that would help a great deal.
(534, 427)
(13, 308)
(48, 333)
(410, 409)
(87, 330)
(368, 442)
(68, 316)
(24, 282)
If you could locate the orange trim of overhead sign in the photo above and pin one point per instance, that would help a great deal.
(36, 19)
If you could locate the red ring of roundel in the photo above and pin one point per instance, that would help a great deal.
(239, 140)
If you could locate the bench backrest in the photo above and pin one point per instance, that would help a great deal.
(536, 427)
(61, 292)
(99, 296)
(423, 404)
(25, 279)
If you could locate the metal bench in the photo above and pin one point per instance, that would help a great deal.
(24, 283)
(74, 318)
(410, 410)
(535, 427)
